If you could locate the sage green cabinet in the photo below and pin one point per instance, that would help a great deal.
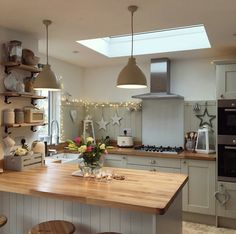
(226, 199)
(198, 193)
(143, 163)
(225, 80)
(115, 160)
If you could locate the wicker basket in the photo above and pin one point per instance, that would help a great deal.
(20, 163)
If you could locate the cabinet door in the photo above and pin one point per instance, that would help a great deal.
(226, 81)
(227, 193)
(114, 160)
(198, 193)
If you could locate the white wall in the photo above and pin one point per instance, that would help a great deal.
(194, 79)
(100, 84)
(71, 75)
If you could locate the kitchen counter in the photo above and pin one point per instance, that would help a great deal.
(147, 201)
(136, 192)
(182, 155)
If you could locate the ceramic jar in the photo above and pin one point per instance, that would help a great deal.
(15, 51)
(8, 116)
(19, 116)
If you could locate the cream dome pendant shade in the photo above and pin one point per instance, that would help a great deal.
(46, 79)
(131, 76)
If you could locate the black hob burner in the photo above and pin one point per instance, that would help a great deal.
(160, 149)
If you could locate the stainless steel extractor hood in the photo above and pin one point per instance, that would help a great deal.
(160, 81)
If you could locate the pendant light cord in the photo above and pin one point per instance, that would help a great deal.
(132, 34)
(47, 42)
(47, 22)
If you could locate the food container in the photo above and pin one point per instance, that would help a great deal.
(125, 141)
(14, 51)
(8, 117)
(19, 116)
(39, 147)
(33, 115)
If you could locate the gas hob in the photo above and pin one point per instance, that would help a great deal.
(159, 149)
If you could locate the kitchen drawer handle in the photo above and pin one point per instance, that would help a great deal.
(230, 147)
(230, 110)
(153, 162)
(154, 169)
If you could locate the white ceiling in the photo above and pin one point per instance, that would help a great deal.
(83, 19)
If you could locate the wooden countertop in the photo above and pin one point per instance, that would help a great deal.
(151, 192)
(182, 155)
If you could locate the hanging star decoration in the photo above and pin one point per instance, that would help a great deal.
(102, 124)
(205, 118)
(116, 119)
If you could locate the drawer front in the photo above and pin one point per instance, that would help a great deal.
(113, 157)
(168, 169)
(153, 161)
(169, 162)
(147, 161)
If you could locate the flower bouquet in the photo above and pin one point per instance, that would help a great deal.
(91, 152)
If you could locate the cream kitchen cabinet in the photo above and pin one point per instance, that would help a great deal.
(154, 164)
(198, 193)
(225, 80)
(115, 160)
(143, 163)
(226, 199)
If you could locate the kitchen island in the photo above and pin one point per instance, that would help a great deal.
(145, 202)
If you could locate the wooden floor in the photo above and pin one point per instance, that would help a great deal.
(195, 228)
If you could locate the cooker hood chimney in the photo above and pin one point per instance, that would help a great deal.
(160, 81)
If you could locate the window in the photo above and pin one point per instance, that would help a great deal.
(51, 106)
(167, 40)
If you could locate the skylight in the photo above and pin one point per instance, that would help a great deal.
(169, 40)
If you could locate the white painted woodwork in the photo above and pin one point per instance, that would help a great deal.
(143, 163)
(115, 160)
(163, 122)
(229, 208)
(226, 81)
(24, 211)
(198, 193)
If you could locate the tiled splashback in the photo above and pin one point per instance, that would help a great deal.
(131, 119)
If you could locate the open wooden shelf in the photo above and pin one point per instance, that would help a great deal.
(32, 125)
(14, 65)
(33, 97)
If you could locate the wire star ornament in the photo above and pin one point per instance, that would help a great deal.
(206, 119)
(102, 124)
(116, 119)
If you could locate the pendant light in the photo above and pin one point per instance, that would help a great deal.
(46, 79)
(131, 76)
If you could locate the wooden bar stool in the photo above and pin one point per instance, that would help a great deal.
(3, 220)
(53, 227)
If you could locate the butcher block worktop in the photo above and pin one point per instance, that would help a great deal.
(151, 192)
(182, 155)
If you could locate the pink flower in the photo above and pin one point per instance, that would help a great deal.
(106, 152)
(89, 148)
(77, 140)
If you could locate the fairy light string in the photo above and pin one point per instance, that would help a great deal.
(89, 105)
